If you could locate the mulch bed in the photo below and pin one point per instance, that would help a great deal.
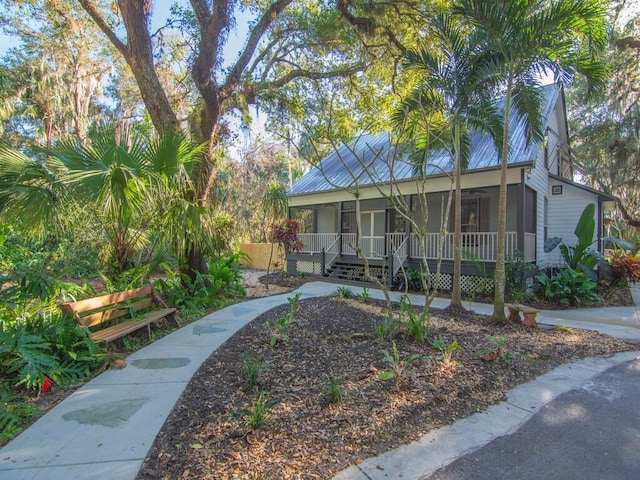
(208, 436)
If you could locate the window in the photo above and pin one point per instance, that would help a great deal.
(470, 214)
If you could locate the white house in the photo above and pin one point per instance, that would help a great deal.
(544, 200)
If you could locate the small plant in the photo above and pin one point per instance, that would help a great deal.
(294, 305)
(251, 368)
(446, 351)
(364, 296)
(333, 390)
(497, 349)
(413, 324)
(343, 293)
(278, 331)
(259, 413)
(397, 367)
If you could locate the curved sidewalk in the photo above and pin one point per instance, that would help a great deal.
(107, 427)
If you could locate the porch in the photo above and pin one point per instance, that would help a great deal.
(396, 249)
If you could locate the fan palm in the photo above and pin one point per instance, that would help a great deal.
(530, 39)
(451, 97)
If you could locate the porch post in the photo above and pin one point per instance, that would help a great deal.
(339, 229)
(522, 211)
(390, 270)
(324, 263)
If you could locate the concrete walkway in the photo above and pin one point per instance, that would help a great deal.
(107, 427)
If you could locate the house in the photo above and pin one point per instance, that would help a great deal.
(544, 201)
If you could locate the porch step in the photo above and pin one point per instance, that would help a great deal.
(355, 271)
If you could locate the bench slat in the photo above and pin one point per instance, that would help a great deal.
(116, 331)
(104, 316)
(106, 300)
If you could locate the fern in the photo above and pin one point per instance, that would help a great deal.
(13, 415)
(28, 355)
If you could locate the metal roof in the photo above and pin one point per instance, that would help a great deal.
(368, 159)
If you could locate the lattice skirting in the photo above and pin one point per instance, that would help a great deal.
(312, 268)
(470, 284)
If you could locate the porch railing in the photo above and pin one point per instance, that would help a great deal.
(398, 244)
(330, 254)
(349, 243)
(480, 245)
(316, 242)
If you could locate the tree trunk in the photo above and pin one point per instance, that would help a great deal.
(456, 296)
(500, 274)
(139, 55)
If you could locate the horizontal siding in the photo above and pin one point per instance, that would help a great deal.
(564, 213)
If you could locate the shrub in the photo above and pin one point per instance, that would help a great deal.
(624, 267)
(223, 281)
(568, 287)
(50, 345)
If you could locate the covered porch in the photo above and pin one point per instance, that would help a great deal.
(387, 238)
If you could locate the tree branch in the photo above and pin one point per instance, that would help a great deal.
(93, 12)
(252, 43)
(302, 73)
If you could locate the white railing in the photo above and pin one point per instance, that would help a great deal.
(480, 245)
(398, 244)
(372, 246)
(316, 242)
(331, 253)
(349, 243)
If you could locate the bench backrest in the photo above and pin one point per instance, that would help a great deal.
(94, 311)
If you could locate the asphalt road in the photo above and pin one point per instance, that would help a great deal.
(592, 432)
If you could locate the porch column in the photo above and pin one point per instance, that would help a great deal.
(339, 229)
(522, 211)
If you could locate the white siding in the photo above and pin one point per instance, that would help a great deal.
(564, 212)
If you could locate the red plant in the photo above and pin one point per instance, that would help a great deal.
(286, 234)
(625, 267)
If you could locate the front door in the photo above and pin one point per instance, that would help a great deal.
(373, 230)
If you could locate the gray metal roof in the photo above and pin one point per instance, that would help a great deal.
(368, 159)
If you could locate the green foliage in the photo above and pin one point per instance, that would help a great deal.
(497, 349)
(251, 369)
(579, 256)
(411, 323)
(260, 412)
(14, 413)
(224, 281)
(343, 293)
(294, 305)
(364, 296)
(414, 279)
(517, 271)
(397, 367)
(446, 350)
(568, 287)
(49, 345)
(333, 390)
(278, 331)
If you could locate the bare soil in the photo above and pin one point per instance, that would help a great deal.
(305, 436)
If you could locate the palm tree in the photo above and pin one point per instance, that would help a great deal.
(451, 90)
(530, 39)
(138, 188)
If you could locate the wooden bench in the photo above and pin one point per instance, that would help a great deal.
(529, 314)
(113, 308)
